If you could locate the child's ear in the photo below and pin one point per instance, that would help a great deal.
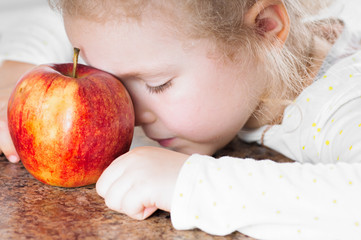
(270, 18)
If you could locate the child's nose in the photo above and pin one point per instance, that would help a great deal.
(142, 109)
(143, 117)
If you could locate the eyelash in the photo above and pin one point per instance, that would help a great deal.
(160, 88)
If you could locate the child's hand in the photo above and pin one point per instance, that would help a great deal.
(141, 181)
(6, 144)
(10, 72)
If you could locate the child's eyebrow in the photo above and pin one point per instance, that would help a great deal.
(150, 72)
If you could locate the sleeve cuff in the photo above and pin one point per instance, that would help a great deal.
(183, 191)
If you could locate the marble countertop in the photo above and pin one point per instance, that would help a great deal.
(32, 210)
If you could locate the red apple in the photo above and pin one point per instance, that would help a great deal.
(68, 129)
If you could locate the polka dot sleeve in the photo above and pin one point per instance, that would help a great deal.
(339, 139)
(269, 200)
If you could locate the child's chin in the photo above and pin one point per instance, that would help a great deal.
(199, 149)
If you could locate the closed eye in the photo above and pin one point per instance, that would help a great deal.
(159, 89)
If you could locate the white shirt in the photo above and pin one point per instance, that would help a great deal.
(31, 32)
(316, 197)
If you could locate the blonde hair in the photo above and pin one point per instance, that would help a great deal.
(286, 68)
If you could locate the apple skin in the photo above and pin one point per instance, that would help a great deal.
(68, 130)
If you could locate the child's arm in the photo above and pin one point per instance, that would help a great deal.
(10, 72)
(268, 200)
(262, 199)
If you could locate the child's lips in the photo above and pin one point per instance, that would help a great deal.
(166, 142)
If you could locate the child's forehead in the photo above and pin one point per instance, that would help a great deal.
(199, 22)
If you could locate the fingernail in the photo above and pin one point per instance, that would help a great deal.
(13, 159)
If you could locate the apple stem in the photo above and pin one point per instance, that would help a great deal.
(75, 61)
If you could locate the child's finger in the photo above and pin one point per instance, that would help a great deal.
(127, 196)
(108, 177)
(114, 196)
(6, 144)
(137, 203)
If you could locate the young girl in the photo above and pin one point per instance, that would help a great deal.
(201, 72)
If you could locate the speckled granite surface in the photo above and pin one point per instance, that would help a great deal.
(30, 209)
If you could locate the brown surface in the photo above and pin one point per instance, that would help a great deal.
(32, 210)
